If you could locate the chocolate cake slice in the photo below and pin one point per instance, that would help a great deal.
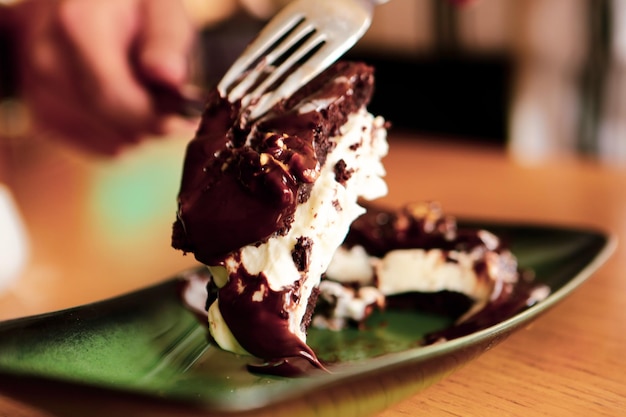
(265, 204)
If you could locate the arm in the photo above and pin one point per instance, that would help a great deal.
(87, 67)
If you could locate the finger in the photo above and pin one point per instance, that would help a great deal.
(60, 113)
(67, 120)
(47, 86)
(102, 33)
(165, 42)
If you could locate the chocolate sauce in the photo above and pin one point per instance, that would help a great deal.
(287, 367)
(421, 225)
(243, 179)
(513, 299)
(272, 342)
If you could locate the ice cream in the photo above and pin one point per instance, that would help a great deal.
(266, 203)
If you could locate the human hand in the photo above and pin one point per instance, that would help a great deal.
(89, 69)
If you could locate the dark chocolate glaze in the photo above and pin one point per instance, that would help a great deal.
(266, 332)
(242, 181)
(421, 225)
(287, 367)
(513, 298)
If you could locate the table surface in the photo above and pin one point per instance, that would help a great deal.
(99, 228)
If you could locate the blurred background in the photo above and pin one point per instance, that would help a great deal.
(539, 77)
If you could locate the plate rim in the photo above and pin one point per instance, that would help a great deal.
(496, 332)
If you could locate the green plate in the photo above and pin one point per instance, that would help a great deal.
(145, 353)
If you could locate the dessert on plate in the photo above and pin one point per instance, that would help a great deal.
(280, 210)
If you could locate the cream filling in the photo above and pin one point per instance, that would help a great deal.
(349, 304)
(325, 219)
(427, 271)
(419, 270)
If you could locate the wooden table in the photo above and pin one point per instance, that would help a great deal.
(100, 228)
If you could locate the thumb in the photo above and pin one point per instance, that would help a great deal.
(165, 41)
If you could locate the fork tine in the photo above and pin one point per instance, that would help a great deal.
(321, 59)
(303, 39)
(286, 89)
(285, 22)
(309, 45)
(244, 84)
(298, 34)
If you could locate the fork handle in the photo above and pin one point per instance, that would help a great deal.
(171, 100)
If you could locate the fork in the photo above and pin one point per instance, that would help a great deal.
(302, 40)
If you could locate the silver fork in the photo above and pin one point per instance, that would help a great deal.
(302, 40)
